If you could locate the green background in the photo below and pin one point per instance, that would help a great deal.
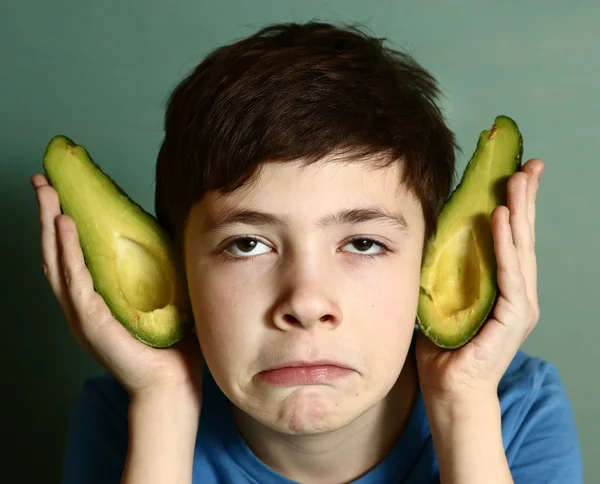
(100, 72)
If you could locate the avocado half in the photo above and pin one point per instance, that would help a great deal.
(129, 255)
(458, 288)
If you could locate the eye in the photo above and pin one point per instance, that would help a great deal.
(364, 246)
(245, 246)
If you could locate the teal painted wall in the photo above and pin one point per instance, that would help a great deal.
(100, 72)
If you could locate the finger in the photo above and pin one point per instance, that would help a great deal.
(517, 205)
(534, 169)
(49, 209)
(522, 188)
(89, 312)
(509, 275)
(77, 278)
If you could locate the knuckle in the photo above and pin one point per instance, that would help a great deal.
(67, 277)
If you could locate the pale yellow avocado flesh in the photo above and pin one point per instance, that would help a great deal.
(458, 274)
(129, 256)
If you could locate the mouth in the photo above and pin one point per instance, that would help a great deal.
(296, 373)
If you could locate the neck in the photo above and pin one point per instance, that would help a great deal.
(360, 446)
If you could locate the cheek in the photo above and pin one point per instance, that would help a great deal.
(224, 331)
(391, 312)
(389, 336)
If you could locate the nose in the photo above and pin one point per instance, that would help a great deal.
(308, 301)
(303, 309)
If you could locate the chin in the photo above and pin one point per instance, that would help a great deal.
(310, 409)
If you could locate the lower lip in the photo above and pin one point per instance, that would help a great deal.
(305, 375)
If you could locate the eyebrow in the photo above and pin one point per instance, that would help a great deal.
(235, 216)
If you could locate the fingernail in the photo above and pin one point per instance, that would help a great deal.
(540, 172)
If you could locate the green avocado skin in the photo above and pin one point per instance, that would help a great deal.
(100, 208)
(481, 189)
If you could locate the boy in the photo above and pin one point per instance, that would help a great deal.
(301, 174)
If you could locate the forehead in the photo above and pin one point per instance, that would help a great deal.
(279, 183)
(318, 195)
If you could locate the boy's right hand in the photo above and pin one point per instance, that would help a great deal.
(141, 369)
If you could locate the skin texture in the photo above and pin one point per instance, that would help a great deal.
(306, 292)
(309, 293)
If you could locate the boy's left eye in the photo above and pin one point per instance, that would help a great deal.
(364, 244)
(243, 247)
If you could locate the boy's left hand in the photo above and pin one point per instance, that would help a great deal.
(475, 370)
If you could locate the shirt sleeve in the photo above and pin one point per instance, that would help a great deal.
(97, 437)
(546, 447)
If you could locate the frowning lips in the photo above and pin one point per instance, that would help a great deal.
(293, 373)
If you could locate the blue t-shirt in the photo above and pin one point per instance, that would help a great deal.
(538, 430)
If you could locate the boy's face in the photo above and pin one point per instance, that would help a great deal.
(304, 292)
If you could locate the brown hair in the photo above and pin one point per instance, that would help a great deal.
(301, 91)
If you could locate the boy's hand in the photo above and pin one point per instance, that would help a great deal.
(476, 369)
(460, 386)
(142, 370)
